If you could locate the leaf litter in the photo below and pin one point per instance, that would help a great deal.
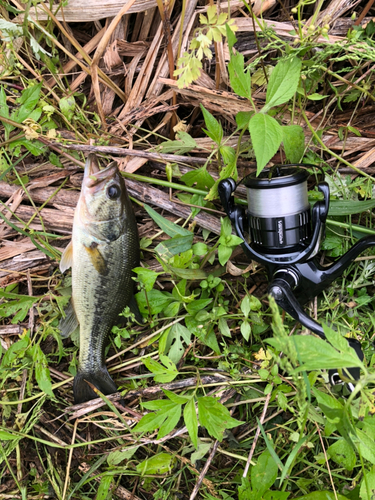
(204, 394)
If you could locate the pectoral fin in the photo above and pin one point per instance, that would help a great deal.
(97, 259)
(67, 258)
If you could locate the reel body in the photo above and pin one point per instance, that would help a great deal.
(284, 236)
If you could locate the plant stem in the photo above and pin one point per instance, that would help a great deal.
(352, 227)
(172, 185)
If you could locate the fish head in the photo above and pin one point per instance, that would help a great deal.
(103, 202)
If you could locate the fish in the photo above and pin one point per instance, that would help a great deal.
(102, 253)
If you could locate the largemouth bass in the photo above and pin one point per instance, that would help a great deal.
(102, 253)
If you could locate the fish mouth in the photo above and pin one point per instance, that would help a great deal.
(93, 175)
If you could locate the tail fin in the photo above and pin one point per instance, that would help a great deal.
(100, 379)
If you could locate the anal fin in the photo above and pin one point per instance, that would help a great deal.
(70, 323)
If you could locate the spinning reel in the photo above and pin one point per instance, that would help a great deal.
(284, 235)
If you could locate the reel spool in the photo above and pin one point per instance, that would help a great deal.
(279, 214)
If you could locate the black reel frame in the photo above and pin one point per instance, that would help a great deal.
(295, 276)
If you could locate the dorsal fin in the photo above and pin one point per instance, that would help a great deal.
(67, 258)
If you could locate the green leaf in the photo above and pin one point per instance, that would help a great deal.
(283, 82)
(172, 417)
(147, 277)
(4, 111)
(30, 96)
(316, 354)
(245, 306)
(240, 79)
(175, 397)
(366, 446)
(230, 241)
(245, 492)
(191, 421)
(150, 422)
(19, 307)
(158, 464)
(245, 330)
(316, 97)
(104, 487)
(155, 302)
(255, 304)
(42, 373)
(229, 157)
(189, 274)
(225, 227)
(291, 458)
(183, 145)
(200, 249)
(177, 334)
(336, 415)
(266, 136)
(231, 37)
(214, 128)
(6, 436)
(116, 457)
(215, 417)
(224, 328)
(243, 118)
(294, 142)
(264, 473)
(165, 373)
(55, 160)
(197, 305)
(343, 454)
(224, 253)
(35, 147)
(171, 413)
(170, 228)
(16, 350)
(322, 495)
(168, 248)
(200, 177)
(354, 130)
(67, 106)
(205, 334)
(337, 340)
(203, 448)
(276, 495)
(349, 207)
(368, 481)
(269, 445)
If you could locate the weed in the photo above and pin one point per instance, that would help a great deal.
(215, 376)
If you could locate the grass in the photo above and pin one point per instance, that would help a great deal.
(267, 430)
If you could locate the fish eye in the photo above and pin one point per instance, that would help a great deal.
(113, 192)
